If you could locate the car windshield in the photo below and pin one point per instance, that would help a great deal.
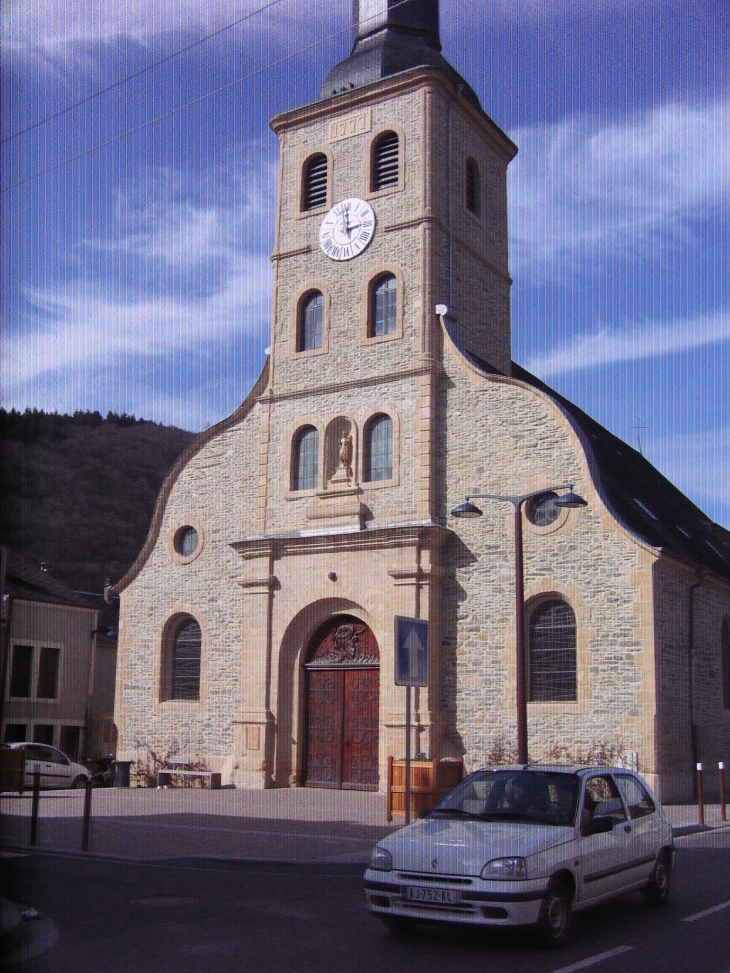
(544, 797)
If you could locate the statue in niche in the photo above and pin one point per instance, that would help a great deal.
(345, 450)
(343, 473)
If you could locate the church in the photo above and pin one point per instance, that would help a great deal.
(257, 623)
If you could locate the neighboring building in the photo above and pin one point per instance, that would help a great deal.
(257, 622)
(59, 663)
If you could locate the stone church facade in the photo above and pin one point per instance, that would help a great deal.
(257, 622)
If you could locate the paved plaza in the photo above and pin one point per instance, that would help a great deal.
(285, 825)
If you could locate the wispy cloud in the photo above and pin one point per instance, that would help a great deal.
(581, 189)
(635, 342)
(48, 33)
(699, 464)
(96, 324)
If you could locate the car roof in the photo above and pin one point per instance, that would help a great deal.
(578, 769)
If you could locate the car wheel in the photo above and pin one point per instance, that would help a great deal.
(79, 782)
(656, 891)
(398, 925)
(555, 914)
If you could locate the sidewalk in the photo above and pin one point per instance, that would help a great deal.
(292, 825)
(286, 825)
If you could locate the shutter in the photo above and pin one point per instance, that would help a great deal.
(315, 182)
(385, 162)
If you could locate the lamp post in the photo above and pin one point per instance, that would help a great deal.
(468, 510)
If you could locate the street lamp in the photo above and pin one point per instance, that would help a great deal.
(469, 510)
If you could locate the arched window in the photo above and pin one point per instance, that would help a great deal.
(473, 187)
(314, 182)
(726, 663)
(378, 449)
(306, 459)
(552, 652)
(385, 161)
(383, 306)
(311, 314)
(185, 661)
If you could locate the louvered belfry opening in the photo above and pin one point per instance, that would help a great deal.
(315, 181)
(385, 161)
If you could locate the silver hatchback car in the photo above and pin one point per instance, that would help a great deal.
(55, 768)
(523, 845)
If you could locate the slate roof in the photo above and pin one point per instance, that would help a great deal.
(406, 36)
(25, 579)
(640, 497)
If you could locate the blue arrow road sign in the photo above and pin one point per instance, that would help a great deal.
(411, 651)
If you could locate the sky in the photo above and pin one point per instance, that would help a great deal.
(139, 186)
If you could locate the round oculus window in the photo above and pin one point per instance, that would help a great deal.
(186, 541)
(542, 511)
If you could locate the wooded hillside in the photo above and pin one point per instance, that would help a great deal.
(78, 491)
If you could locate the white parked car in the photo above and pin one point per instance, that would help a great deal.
(56, 770)
(521, 845)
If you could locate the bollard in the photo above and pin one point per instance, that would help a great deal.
(86, 828)
(700, 798)
(721, 767)
(35, 806)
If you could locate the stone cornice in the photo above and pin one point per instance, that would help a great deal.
(395, 85)
(379, 538)
(354, 383)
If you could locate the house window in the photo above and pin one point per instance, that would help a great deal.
(383, 306)
(726, 663)
(385, 162)
(473, 188)
(48, 673)
(306, 459)
(185, 682)
(311, 313)
(16, 732)
(552, 652)
(314, 188)
(43, 733)
(378, 456)
(21, 670)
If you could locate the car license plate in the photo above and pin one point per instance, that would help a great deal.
(416, 893)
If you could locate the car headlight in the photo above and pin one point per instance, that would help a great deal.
(381, 860)
(506, 869)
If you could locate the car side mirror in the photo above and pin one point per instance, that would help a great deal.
(601, 825)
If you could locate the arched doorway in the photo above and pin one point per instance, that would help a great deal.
(342, 696)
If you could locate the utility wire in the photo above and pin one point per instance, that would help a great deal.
(137, 74)
(195, 101)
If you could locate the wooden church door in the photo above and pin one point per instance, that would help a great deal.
(342, 706)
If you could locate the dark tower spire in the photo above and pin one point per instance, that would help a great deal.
(388, 37)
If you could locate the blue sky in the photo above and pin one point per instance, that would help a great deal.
(137, 277)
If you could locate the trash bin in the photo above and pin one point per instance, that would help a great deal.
(122, 774)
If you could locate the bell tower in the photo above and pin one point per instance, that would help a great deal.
(392, 199)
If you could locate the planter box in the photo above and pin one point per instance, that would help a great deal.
(431, 780)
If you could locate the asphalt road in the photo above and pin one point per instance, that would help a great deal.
(102, 916)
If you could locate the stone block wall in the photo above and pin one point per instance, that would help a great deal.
(502, 437)
(689, 665)
(215, 492)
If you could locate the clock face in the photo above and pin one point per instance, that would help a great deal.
(347, 229)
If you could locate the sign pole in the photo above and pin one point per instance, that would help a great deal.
(408, 754)
(411, 669)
